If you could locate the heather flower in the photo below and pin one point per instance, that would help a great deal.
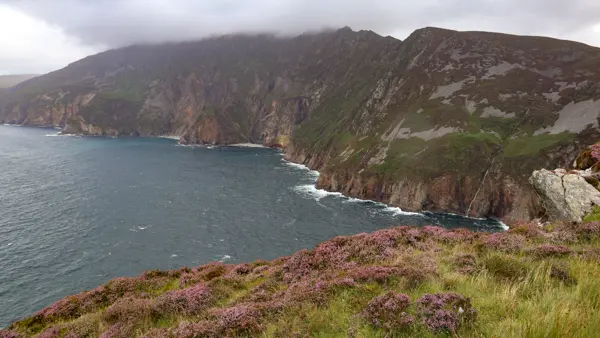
(595, 152)
(445, 311)
(589, 231)
(260, 269)
(241, 319)
(331, 253)
(389, 311)
(52, 332)
(150, 274)
(528, 229)
(465, 263)
(374, 273)
(203, 273)
(68, 307)
(416, 266)
(128, 310)
(412, 235)
(242, 269)
(551, 250)
(190, 301)
(118, 330)
(161, 333)
(312, 291)
(434, 231)
(9, 334)
(503, 241)
(298, 266)
(203, 328)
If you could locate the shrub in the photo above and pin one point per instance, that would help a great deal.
(203, 273)
(503, 241)
(466, 263)
(561, 273)
(551, 250)
(119, 330)
(190, 301)
(445, 311)
(589, 230)
(389, 311)
(507, 268)
(528, 229)
(52, 332)
(9, 334)
(203, 328)
(374, 273)
(316, 292)
(128, 310)
(241, 319)
(298, 266)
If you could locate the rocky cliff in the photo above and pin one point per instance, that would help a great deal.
(444, 121)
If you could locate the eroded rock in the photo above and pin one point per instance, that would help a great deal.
(566, 196)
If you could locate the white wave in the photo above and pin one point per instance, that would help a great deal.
(247, 145)
(170, 137)
(139, 228)
(224, 258)
(173, 255)
(398, 211)
(503, 225)
(310, 190)
(52, 135)
(315, 174)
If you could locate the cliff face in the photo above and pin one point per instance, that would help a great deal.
(444, 121)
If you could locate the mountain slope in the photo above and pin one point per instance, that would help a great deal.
(444, 121)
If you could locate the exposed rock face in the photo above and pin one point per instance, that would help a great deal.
(566, 196)
(444, 121)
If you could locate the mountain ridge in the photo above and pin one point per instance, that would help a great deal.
(443, 121)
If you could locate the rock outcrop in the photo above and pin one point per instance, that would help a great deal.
(444, 121)
(565, 195)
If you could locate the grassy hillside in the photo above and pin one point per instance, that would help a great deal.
(399, 282)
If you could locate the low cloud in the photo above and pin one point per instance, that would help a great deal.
(117, 23)
(39, 36)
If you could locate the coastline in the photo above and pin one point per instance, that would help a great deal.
(390, 208)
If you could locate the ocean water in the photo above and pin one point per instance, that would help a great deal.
(76, 212)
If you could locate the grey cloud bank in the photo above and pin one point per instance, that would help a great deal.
(118, 23)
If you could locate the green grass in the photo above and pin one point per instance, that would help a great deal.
(532, 145)
(593, 216)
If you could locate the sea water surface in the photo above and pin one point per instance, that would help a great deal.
(76, 212)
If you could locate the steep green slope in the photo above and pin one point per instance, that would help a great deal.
(445, 121)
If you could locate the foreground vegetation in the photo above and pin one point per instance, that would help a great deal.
(526, 282)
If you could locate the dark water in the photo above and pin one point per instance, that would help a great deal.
(76, 212)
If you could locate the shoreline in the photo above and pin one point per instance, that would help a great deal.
(392, 208)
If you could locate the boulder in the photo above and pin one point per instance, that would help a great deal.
(566, 196)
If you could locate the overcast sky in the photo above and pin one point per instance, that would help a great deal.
(38, 36)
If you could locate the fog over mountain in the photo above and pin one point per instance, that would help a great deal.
(58, 32)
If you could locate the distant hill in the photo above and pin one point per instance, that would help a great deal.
(7, 81)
